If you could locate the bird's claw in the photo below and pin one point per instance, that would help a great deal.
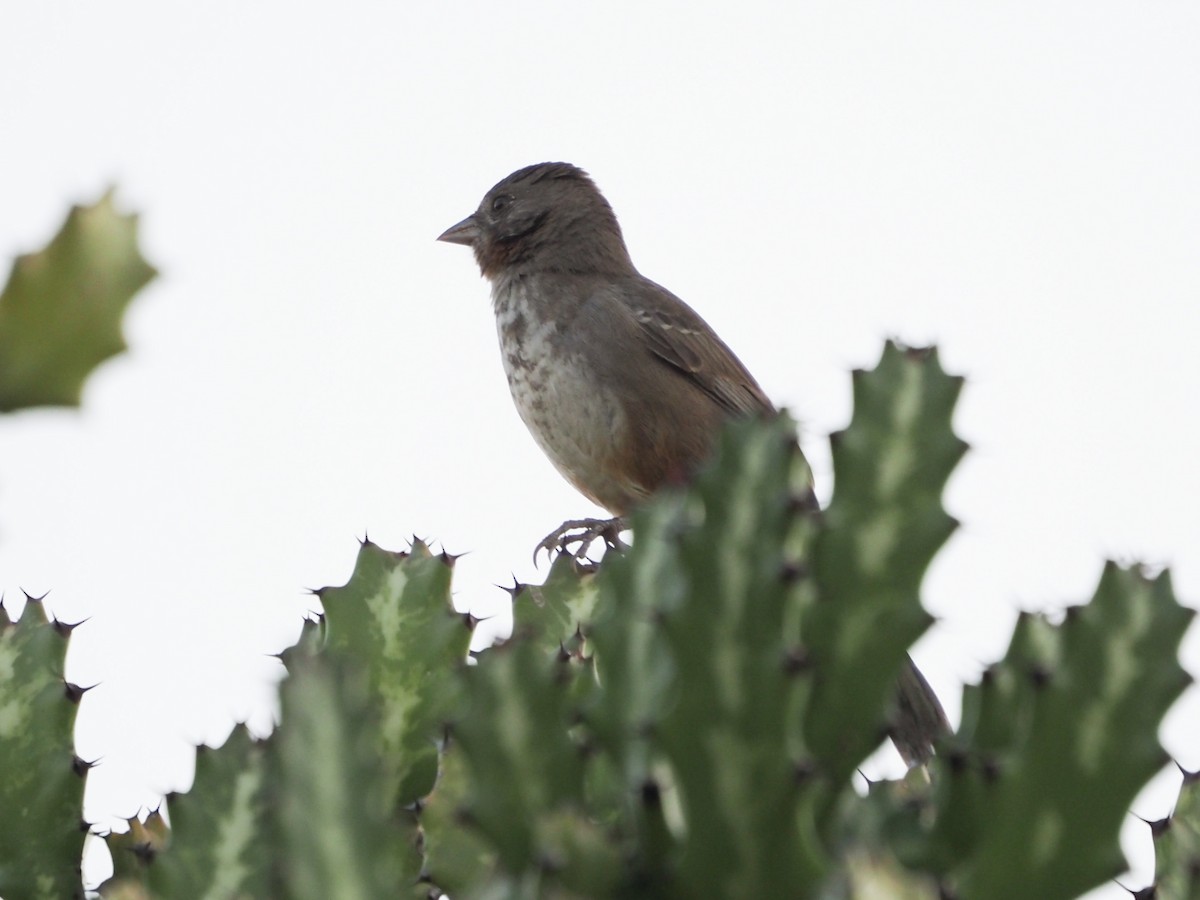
(582, 533)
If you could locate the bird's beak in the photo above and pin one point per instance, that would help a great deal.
(465, 232)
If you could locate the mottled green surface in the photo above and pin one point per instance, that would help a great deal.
(1177, 844)
(1056, 742)
(683, 722)
(61, 310)
(881, 530)
(395, 619)
(41, 779)
(340, 834)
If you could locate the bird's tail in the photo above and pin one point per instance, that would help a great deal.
(920, 719)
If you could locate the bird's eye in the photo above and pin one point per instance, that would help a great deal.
(500, 202)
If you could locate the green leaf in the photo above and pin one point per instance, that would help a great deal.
(394, 617)
(132, 851)
(219, 844)
(1058, 740)
(60, 313)
(456, 857)
(525, 768)
(41, 780)
(557, 611)
(341, 835)
(701, 679)
(881, 530)
(733, 733)
(1177, 844)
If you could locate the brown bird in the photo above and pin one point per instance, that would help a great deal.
(621, 383)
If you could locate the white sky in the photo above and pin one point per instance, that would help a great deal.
(1018, 183)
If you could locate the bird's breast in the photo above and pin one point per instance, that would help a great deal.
(573, 415)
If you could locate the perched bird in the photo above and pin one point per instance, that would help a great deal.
(621, 383)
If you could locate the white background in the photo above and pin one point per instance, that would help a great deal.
(1017, 182)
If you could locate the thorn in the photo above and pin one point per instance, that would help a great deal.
(64, 629)
(805, 502)
(803, 770)
(74, 692)
(991, 770)
(1040, 675)
(469, 620)
(516, 590)
(451, 558)
(791, 572)
(956, 760)
(1188, 777)
(651, 794)
(145, 853)
(917, 354)
(80, 766)
(464, 816)
(315, 592)
(795, 660)
(1158, 827)
(29, 598)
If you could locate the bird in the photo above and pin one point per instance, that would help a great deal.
(621, 383)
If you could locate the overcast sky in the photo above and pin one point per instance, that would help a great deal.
(1017, 183)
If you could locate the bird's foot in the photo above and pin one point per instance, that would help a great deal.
(582, 533)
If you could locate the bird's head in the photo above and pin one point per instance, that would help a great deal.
(548, 217)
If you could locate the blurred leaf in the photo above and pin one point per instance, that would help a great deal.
(1058, 740)
(456, 857)
(881, 530)
(219, 844)
(1177, 844)
(60, 313)
(41, 779)
(341, 837)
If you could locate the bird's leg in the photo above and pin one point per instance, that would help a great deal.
(584, 533)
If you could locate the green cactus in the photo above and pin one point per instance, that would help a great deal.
(41, 779)
(879, 534)
(60, 313)
(340, 834)
(1177, 844)
(395, 618)
(457, 858)
(683, 720)
(219, 842)
(1056, 742)
(368, 694)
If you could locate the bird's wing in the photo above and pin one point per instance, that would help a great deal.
(676, 334)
